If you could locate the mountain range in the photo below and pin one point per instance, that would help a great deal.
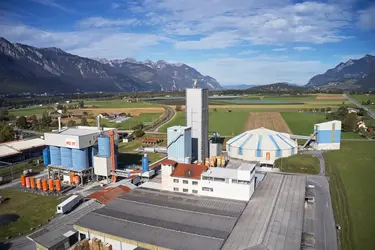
(353, 74)
(25, 68)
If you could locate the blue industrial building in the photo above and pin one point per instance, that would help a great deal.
(179, 144)
(327, 135)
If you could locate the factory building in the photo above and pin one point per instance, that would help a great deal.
(261, 145)
(179, 144)
(21, 150)
(74, 155)
(197, 119)
(233, 182)
(328, 135)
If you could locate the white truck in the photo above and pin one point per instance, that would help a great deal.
(68, 204)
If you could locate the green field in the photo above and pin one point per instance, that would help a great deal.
(118, 103)
(179, 119)
(300, 163)
(34, 110)
(351, 171)
(33, 210)
(145, 118)
(361, 98)
(303, 123)
(289, 97)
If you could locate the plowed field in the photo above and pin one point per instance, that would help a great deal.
(270, 120)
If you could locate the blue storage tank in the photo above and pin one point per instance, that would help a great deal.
(104, 148)
(145, 163)
(66, 157)
(80, 159)
(46, 156)
(116, 155)
(55, 155)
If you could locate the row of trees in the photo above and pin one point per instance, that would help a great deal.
(349, 120)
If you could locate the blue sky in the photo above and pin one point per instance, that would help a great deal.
(234, 41)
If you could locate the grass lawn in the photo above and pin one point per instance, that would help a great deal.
(227, 123)
(179, 119)
(33, 210)
(290, 97)
(35, 110)
(144, 118)
(300, 163)
(117, 104)
(351, 171)
(303, 123)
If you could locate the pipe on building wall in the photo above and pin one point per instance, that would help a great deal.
(111, 134)
(59, 122)
(98, 122)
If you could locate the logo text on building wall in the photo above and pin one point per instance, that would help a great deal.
(70, 142)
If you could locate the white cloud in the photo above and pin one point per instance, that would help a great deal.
(53, 4)
(366, 18)
(303, 48)
(115, 5)
(279, 49)
(248, 52)
(259, 70)
(98, 22)
(258, 22)
(104, 42)
(217, 40)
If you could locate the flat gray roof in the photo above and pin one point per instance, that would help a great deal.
(273, 217)
(76, 131)
(167, 219)
(53, 233)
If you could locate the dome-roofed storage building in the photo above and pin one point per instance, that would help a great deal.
(263, 145)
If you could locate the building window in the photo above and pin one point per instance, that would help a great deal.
(240, 181)
(185, 182)
(195, 183)
(207, 178)
(175, 181)
(185, 190)
(207, 189)
(176, 189)
(195, 191)
(219, 179)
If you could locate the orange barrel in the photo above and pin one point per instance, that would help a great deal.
(23, 180)
(39, 184)
(72, 178)
(44, 185)
(32, 182)
(27, 182)
(50, 184)
(77, 179)
(58, 185)
(218, 161)
(223, 160)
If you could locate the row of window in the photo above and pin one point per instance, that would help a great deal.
(185, 190)
(207, 178)
(185, 181)
(240, 181)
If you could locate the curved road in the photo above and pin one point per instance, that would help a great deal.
(369, 111)
(319, 155)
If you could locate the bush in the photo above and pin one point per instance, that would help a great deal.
(139, 133)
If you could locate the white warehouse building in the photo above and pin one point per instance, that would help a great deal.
(261, 145)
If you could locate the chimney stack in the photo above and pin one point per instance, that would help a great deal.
(98, 122)
(59, 121)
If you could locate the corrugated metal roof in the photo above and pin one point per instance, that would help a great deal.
(7, 151)
(262, 139)
(104, 196)
(15, 147)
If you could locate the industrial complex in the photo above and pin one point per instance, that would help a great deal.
(197, 197)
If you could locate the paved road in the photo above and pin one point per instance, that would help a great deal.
(325, 231)
(17, 181)
(319, 155)
(370, 112)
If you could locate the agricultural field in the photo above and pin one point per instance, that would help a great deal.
(303, 123)
(144, 118)
(299, 163)
(270, 120)
(227, 123)
(179, 119)
(34, 110)
(32, 210)
(351, 172)
(118, 103)
(365, 98)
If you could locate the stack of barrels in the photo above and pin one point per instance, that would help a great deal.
(41, 184)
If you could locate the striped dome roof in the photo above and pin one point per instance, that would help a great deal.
(262, 139)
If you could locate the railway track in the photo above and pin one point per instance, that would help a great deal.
(168, 114)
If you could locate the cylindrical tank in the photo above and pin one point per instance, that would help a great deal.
(77, 180)
(71, 178)
(58, 185)
(39, 184)
(66, 157)
(94, 151)
(145, 163)
(116, 155)
(80, 159)
(218, 162)
(55, 155)
(222, 160)
(46, 156)
(44, 185)
(32, 182)
(207, 162)
(23, 180)
(104, 146)
(50, 185)
(27, 182)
